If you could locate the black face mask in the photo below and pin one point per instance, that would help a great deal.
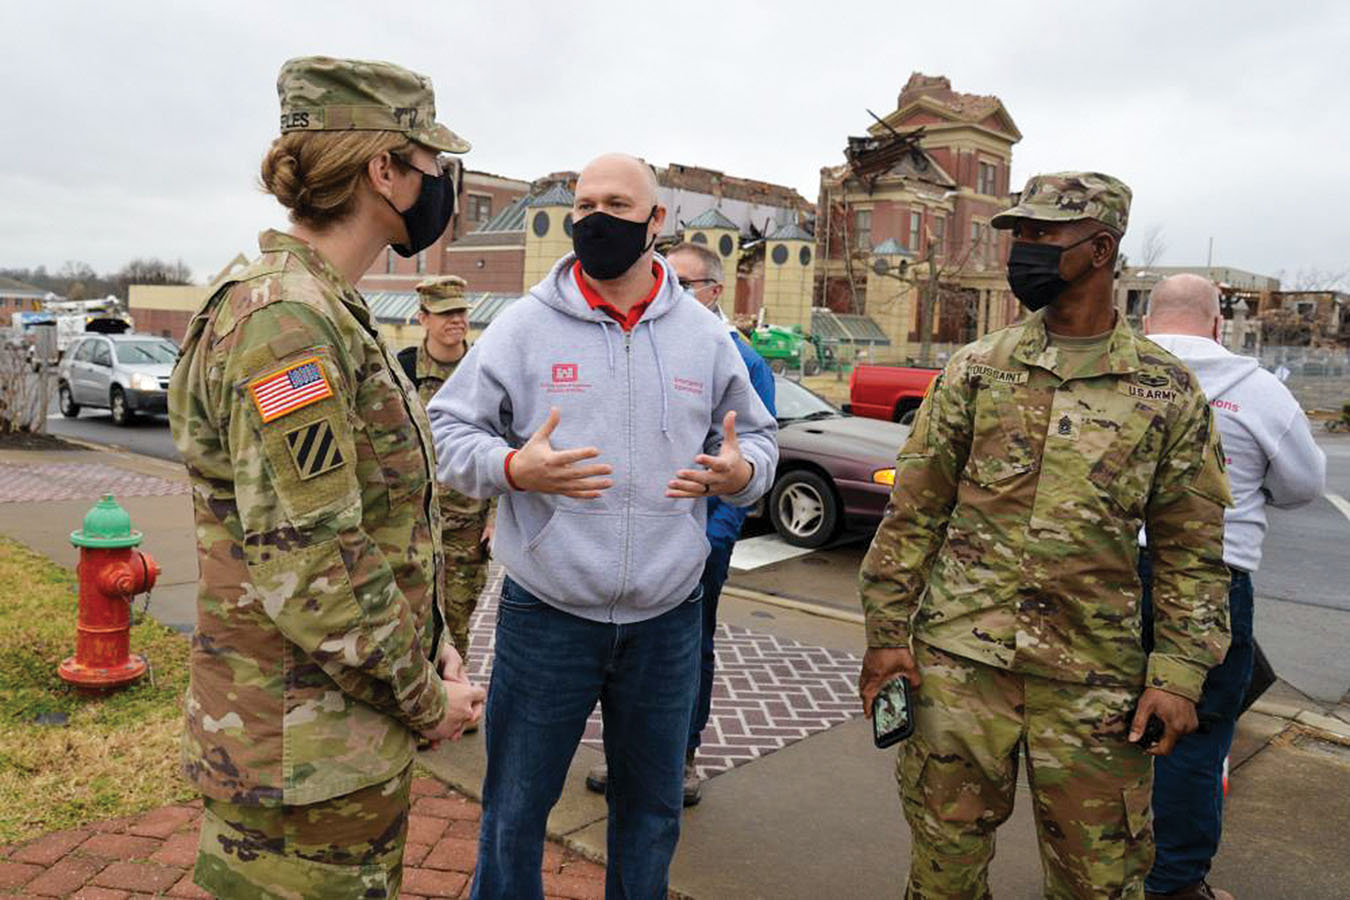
(427, 217)
(1033, 272)
(607, 245)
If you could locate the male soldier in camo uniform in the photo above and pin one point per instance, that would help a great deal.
(312, 471)
(1002, 582)
(466, 528)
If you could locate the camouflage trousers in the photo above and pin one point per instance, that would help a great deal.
(1090, 788)
(466, 565)
(349, 846)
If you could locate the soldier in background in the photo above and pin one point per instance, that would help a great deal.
(1002, 582)
(466, 522)
(312, 471)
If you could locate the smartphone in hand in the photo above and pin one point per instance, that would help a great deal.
(892, 721)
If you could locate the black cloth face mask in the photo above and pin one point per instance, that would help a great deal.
(430, 213)
(607, 246)
(1033, 272)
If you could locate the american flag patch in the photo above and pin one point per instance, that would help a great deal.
(290, 389)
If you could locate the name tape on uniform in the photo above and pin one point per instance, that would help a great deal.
(991, 374)
(294, 387)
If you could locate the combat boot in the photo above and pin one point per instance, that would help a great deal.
(693, 788)
(1200, 891)
(598, 778)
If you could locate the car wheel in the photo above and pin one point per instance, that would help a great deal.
(812, 366)
(804, 509)
(778, 366)
(907, 417)
(117, 403)
(65, 400)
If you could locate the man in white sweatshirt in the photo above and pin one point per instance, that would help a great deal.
(1271, 459)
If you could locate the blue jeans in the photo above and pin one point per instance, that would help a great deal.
(1188, 784)
(549, 670)
(714, 576)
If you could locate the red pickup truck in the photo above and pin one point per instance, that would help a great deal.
(892, 393)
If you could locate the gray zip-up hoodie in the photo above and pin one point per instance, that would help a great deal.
(650, 400)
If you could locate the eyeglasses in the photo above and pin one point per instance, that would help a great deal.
(688, 284)
(445, 165)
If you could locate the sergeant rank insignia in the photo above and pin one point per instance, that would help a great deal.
(294, 387)
(314, 448)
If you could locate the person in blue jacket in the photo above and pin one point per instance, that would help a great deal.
(700, 273)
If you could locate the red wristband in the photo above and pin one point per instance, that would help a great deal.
(507, 466)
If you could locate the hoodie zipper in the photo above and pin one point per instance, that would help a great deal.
(629, 481)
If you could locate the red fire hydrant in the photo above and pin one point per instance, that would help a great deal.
(111, 574)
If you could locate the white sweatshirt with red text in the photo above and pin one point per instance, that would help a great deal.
(1268, 446)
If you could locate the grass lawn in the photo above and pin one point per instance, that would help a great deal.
(117, 754)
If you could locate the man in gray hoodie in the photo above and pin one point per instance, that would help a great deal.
(1271, 459)
(603, 544)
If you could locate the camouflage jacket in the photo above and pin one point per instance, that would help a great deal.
(311, 470)
(458, 511)
(1012, 533)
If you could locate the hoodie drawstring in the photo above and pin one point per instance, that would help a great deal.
(661, 374)
(609, 346)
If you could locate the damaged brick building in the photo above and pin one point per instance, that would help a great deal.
(915, 195)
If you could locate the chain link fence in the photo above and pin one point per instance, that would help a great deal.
(1318, 377)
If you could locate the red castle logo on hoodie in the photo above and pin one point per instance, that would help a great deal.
(564, 373)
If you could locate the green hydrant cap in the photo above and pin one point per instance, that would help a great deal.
(106, 527)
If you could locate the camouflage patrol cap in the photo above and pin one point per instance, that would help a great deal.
(319, 93)
(443, 294)
(1071, 197)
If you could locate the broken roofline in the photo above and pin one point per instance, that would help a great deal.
(714, 183)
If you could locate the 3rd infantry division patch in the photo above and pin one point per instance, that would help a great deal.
(314, 448)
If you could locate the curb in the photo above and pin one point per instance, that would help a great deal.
(172, 471)
(1310, 719)
(813, 609)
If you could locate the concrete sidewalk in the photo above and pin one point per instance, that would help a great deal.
(817, 815)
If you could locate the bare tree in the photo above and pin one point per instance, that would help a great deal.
(935, 289)
(21, 394)
(152, 271)
(1315, 279)
(1153, 247)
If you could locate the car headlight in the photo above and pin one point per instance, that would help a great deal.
(143, 382)
(883, 476)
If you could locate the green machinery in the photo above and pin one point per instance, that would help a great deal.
(789, 349)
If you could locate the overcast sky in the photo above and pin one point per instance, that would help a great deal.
(136, 128)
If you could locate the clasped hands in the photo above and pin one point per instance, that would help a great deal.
(540, 468)
(463, 699)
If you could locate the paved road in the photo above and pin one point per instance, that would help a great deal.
(148, 435)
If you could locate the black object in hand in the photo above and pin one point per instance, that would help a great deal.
(1154, 729)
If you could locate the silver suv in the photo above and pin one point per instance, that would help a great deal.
(126, 373)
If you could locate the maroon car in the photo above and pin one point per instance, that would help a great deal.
(834, 470)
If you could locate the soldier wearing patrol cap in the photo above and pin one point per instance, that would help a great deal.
(1002, 582)
(313, 671)
(466, 529)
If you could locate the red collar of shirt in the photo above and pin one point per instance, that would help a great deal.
(629, 321)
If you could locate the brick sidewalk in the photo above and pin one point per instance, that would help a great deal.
(151, 855)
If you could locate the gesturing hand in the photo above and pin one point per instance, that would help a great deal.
(1177, 714)
(726, 473)
(538, 467)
